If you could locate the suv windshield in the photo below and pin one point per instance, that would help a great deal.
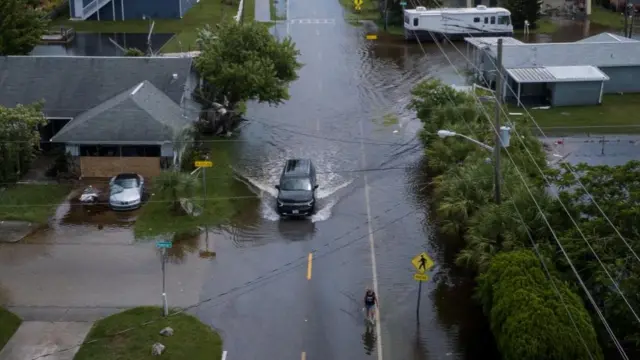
(126, 183)
(299, 184)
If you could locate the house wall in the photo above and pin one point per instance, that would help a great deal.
(576, 93)
(622, 79)
(102, 167)
(186, 5)
(135, 9)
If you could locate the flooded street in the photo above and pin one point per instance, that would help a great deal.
(347, 113)
(281, 288)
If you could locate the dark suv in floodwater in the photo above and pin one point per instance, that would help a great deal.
(296, 191)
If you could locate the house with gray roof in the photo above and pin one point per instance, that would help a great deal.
(560, 74)
(112, 114)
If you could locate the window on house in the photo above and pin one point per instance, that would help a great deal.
(415, 21)
(486, 20)
(141, 150)
(476, 20)
(504, 20)
(493, 19)
(99, 150)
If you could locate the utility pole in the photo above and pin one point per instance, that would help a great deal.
(632, 17)
(165, 304)
(626, 21)
(498, 141)
(386, 11)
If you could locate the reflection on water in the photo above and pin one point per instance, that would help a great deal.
(369, 339)
(94, 44)
(78, 223)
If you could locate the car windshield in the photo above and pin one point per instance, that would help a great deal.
(126, 183)
(299, 184)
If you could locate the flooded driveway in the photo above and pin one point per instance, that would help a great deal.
(86, 264)
(346, 113)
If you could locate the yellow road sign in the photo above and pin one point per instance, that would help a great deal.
(420, 277)
(357, 4)
(204, 164)
(422, 262)
(372, 37)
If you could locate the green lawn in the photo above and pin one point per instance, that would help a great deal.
(249, 11)
(544, 26)
(9, 323)
(617, 114)
(226, 197)
(33, 203)
(191, 339)
(606, 17)
(186, 29)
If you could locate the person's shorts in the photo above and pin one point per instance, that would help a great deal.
(368, 306)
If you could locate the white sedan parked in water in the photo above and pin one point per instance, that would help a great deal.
(125, 191)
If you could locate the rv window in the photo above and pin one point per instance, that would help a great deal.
(486, 20)
(415, 21)
(503, 20)
(493, 19)
(476, 20)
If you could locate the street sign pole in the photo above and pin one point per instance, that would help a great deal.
(422, 263)
(418, 306)
(165, 304)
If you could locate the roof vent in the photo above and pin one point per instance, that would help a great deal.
(481, 7)
(421, 8)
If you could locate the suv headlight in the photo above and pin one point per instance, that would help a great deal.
(309, 203)
(280, 203)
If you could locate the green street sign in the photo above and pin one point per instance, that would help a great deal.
(403, 3)
(163, 244)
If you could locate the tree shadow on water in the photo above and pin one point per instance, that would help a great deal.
(183, 243)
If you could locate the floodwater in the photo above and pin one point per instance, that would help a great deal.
(93, 44)
(348, 114)
(280, 288)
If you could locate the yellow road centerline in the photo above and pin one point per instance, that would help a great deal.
(309, 267)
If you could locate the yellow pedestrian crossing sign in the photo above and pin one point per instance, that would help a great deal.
(357, 4)
(421, 277)
(422, 262)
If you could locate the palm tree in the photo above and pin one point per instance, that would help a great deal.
(174, 185)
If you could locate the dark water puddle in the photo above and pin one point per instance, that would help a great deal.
(102, 44)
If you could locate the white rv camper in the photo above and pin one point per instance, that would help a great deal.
(428, 24)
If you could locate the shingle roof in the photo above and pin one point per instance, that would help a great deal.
(70, 85)
(141, 115)
(605, 37)
(600, 54)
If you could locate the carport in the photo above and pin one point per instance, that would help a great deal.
(556, 85)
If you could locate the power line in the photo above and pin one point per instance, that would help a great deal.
(569, 167)
(530, 193)
(564, 207)
(289, 266)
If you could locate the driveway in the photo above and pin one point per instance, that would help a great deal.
(87, 265)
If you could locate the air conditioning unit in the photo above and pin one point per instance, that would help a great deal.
(421, 8)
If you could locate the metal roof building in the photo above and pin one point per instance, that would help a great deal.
(560, 74)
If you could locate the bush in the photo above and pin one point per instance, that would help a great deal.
(528, 319)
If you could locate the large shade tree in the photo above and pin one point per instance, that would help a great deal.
(21, 26)
(243, 61)
(19, 139)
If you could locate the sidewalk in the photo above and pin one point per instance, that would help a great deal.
(37, 338)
